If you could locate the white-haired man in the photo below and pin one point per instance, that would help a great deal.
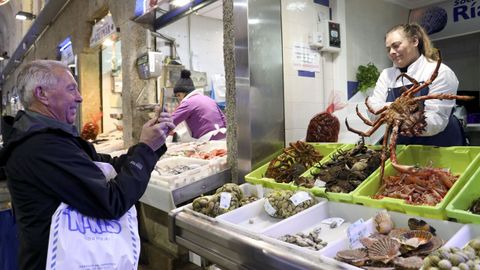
(47, 162)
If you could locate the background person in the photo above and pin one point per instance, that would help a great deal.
(202, 116)
(47, 162)
(410, 49)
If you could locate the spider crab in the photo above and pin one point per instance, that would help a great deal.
(405, 114)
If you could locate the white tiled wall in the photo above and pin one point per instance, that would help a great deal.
(199, 44)
(304, 96)
(363, 25)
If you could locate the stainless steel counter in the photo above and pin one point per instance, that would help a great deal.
(231, 248)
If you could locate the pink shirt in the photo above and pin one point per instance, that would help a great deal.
(201, 113)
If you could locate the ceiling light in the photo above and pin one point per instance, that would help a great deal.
(179, 3)
(23, 15)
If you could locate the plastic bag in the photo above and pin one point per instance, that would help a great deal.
(324, 127)
(80, 242)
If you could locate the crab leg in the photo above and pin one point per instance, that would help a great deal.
(412, 91)
(384, 155)
(415, 83)
(372, 110)
(378, 123)
(393, 154)
(443, 96)
(364, 119)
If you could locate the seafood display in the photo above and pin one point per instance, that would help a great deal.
(311, 240)
(285, 203)
(455, 258)
(347, 169)
(404, 115)
(176, 169)
(475, 207)
(202, 150)
(427, 187)
(210, 154)
(219, 203)
(397, 248)
(294, 161)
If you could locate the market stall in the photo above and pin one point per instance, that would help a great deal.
(338, 228)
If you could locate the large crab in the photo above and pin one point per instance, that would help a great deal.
(405, 114)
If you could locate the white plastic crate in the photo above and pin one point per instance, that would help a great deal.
(464, 235)
(254, 218)
(311, 219)
(444, 229)
(248, 190)
(178, 180)
(251, 217)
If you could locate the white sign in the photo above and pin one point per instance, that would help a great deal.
(66, 56)
(299, 197)
(101, 30)
(225, 199)
(305, 58)
(449, 18)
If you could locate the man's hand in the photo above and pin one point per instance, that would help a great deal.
(155, 131)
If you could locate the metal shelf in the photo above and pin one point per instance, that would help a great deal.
(231, 248)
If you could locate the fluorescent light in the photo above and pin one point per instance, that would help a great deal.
(23, 15)
(20, 17)
(179, 3)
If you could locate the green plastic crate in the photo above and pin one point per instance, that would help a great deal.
(341, 197)
(458, 207)
(258, 176)
(460, 160)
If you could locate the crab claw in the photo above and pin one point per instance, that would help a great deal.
(405, 168)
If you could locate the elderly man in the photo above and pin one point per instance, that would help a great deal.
(47, 162)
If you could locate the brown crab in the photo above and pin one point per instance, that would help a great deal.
(403, 115)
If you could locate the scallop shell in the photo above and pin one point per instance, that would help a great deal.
(397, 232)
(383, 222)
(357, 257)
(367, 241)
(384, 250)
(434, 244)
(418, 224)
(415, 238)
(410, 263)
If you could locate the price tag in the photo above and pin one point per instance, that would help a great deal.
(330, 221)
(259, 191)
(269, 208)
(225, 198)
(300, 197)
(355, 231)
(319, 183)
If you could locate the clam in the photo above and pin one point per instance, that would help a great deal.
(383, 222)
(415, 238)
(234, 189)
(384, 250)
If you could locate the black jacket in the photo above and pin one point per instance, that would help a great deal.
(47, 163)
